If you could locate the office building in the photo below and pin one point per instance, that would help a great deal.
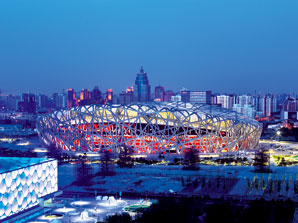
(96, 96)
(159, 93)
(109, 96)
(142, 87)
(201, 97)
(71, 100)
(28, 103)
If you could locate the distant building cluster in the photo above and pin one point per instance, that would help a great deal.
(290, 109)
(249, 105)
(254, 106)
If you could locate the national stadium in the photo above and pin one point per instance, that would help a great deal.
(149, 128)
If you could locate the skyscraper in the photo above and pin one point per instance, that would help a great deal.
(168, 95)
(59, 100)
(245, 109)
(226, 101)
(274, 103)
(109, 96)
(85, 97)
(126, 97)
(290, 109)
(203, 97)
(96, 96)
(42, 101)
(142, 87)
(28, 104)
(268, 105)
(244, 100)
(70, 98)
(159, 93)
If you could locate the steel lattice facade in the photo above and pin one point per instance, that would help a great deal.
(149, 128)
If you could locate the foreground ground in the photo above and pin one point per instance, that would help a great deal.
(90, 209)
(163, 180)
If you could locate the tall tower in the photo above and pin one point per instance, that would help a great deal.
(70, 98)
(96, 96)
(159, 93)
(142, 87)
(109, 96)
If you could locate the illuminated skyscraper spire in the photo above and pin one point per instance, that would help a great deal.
(142, 87)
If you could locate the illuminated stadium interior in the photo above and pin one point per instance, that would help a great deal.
(151, 128)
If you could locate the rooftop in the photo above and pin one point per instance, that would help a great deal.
(13, 163)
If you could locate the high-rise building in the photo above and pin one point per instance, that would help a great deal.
(214, 99)
(11, 103)
(85, 97)
(126, 97)
(176, 98)
(168, 95)
(70, 98)
(262, 104)
(56, 100)
(109, 96)
(266, 104)
(185, 96)
(281, 99)
(159, 93)
(246, 109)
(59, 100)
(290, 109)
(28, 103)
(202, 97)
(96, 96)
(225, 101)
(42, 101)
(244, 100)
(274, 103)
(142, 87)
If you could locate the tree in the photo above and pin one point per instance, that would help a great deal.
(191, 157)
(220, 213)
(82, 171)
(106, 162)
(119, 218)
(261, 160)
(176, 161)
(287, 186)
(125, 159)
(182, 181)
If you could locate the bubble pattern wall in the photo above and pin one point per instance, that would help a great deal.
(21, 188)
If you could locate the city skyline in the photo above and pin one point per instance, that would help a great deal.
(50, 92)
(149, 111)
(132, 86)
(223, 47)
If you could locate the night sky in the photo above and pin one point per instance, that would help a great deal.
(220, 45)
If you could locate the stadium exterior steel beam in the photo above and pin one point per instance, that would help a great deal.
(150, 128)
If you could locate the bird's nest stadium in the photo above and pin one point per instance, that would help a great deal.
(149, 128)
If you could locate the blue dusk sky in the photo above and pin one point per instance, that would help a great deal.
(220, 45)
